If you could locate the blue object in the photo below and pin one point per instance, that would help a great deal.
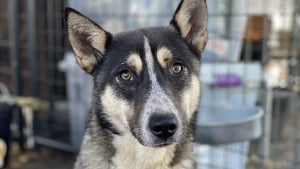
(225, 123)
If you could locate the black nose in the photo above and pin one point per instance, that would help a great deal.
(163, 126)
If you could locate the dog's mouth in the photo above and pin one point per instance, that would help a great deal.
(164, 143)
(153, 141)
(159, 143)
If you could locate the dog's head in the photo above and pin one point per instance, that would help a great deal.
(146, 81)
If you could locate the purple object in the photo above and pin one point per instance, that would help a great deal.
(226, 80)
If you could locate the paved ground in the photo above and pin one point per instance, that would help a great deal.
(44, 159)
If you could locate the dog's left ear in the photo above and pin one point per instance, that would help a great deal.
(87, 39)
(190, 20)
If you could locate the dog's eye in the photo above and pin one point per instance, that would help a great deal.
(176, 68)
(126, 75)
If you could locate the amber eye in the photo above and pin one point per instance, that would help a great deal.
(126, 75)
(176, 68)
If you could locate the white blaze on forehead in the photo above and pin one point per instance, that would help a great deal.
(150, 62)
(157, 97)
(158, 101)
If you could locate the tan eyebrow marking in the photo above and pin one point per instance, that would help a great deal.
(164, 55)
(135, 61)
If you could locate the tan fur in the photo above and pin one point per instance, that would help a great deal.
(86, 62)
(130, 154)
(202, 41)
(185, 164)
(117, 109)
(79, 25)
(183, 22)
(182, 18)
(190, 98)
(91, 154)
(164, 55)
(134, 61)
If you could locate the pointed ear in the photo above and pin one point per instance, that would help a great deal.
(87, 39)
(190, 20)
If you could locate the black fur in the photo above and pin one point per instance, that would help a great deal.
(102, 127)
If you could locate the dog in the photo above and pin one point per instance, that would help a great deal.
(146, 90)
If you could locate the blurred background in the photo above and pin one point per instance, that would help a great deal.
(250, 108)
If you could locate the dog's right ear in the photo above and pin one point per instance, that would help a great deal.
(87, 39)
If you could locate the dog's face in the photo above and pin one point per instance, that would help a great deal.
(146, 81)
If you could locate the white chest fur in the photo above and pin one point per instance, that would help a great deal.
(131, 154)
